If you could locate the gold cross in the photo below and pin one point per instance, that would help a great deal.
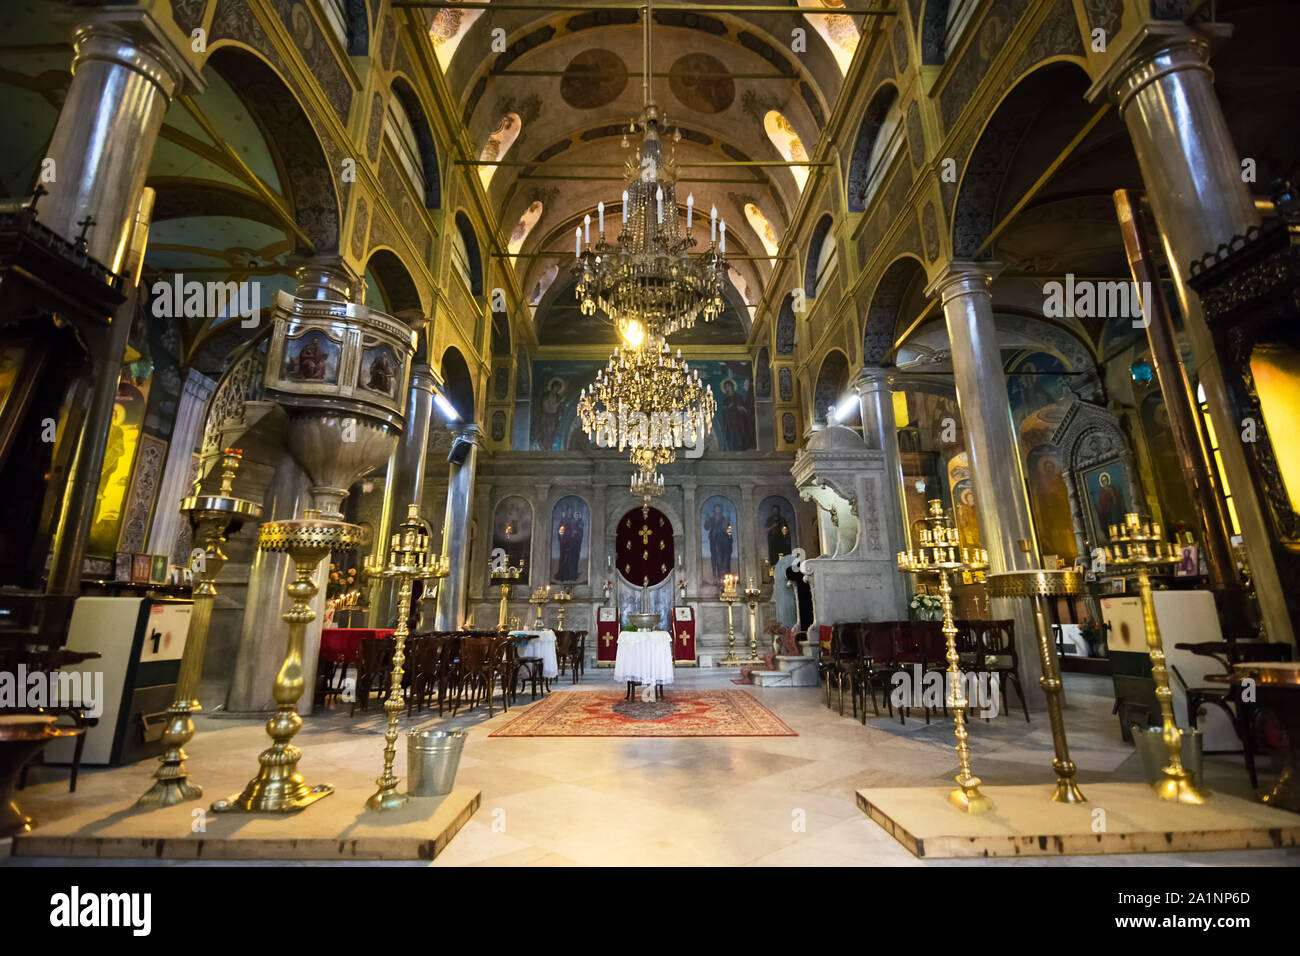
(608, 638)
(645, 533)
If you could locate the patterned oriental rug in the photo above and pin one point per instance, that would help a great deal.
(701, 713)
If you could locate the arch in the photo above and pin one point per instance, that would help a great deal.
(473, 260)
(785, 326)
(425, 148)
(457, 383)
(832, 380)
(400, 295)
(903, 281)
(788, 144)
(839, 31)
(305, 173)
(813, 268)
(498, 143)
(879, 136)
(1034, 119)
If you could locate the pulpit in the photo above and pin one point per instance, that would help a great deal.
(606, 636)
(684, 636)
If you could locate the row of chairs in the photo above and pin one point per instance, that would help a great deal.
(451, 666)
(865, 655)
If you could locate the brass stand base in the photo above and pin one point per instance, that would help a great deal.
(1067, 791)
(1181, 790)
(389, 800)
(967, 797)
(272, 796)
(738, 662)
(168, 793)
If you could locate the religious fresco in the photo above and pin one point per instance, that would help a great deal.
(776, 527)
(312, 358)
(1168, 472)
(554, 422)
(701, 83)
(719, 544)
(115, 475)
(1038, 393)
(512, 531)
(379, 368)
(1109, 492)
(569, 545)
(733, 390)
(525, 226)
(962, 490)
(593, 78)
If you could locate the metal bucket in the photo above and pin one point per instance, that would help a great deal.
(1151, 748)
(432, 757)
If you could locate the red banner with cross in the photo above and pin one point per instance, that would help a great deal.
(684, 636)
(606, 636)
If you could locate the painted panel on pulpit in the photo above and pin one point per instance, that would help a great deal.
(312, 357)
(569, 545)
(512, 530)
(555, 425)
(719, 546)
(776, 527)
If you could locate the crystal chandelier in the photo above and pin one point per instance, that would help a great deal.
(648, 283)
(647, 485)
(649, 402)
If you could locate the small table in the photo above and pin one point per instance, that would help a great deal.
(1277, 689)
(540, 644)
(644, 657)
(22, 737)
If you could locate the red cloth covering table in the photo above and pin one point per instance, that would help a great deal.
(684, 635)
(341, 642)
(606, 636)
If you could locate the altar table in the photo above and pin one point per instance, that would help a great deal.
(341, 642)
(540, 644)
(644, 657)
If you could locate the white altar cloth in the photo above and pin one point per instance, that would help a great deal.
(541, 644)
(645, 657)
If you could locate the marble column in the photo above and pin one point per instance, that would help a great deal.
(1164, 89)
(880, 433)
(1001, 498)
(175, 483)
(125, 73)
(405, 482)
(454, 592)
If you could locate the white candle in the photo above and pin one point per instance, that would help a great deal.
(690, 207)
(659, 203)
(713, 225)
(577, 242)
(586, 228)
(722, 237)
(625, 206)
(600, 211)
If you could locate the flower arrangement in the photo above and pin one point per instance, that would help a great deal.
(926, 607)
(340, 581)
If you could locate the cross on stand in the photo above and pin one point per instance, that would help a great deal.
(81, 236)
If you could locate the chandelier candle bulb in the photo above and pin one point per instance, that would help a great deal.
(577, 242)
(690, 208)
(722, 237)
(586, 228)
(600, 213)
(659, 204)
(625, 207)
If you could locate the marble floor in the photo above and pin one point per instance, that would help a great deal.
(759, 801)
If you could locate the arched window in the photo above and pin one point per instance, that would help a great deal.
(787, 143)
(822, 258)
(465, 254)
(524, 226)
(838, 30)
(762, 228)
(959, 14)
(888, 141)
(399, 131)
(498, 144)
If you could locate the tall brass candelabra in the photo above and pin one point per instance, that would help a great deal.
(212, 518)
(539, 599)
(408, 561)
(278, 787)
(752, 595)
(505, 576)
(941, 553)
(560, 599)
(1138, 544)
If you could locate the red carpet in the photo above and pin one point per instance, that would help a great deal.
(699, 713)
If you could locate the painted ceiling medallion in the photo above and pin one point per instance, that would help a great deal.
(701, 83)
(593, 79)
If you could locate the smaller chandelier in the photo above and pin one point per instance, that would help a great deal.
(647, 485)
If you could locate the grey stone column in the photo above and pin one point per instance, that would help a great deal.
(454, 590)
(880, 433)
(405, 482)
(125, 74)
(1164, 89)
(1001, 499)
(180, 453)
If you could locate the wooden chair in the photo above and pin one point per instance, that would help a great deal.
(844, 653)
(481, 663)
(529, 670)
(998, 641)
(580, 653)
(875, 660)
(374, 666)
(566, 652)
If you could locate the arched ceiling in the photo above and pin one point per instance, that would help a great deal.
(574, 80)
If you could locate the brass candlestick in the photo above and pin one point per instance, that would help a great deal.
(1138, 544)
(505, 576)
(212, 518)
(941, 553)
(560, 599)
(729, 595)
(1038, 586)
(408, 560)
(752, 595)
(278, 787)
(539, 600)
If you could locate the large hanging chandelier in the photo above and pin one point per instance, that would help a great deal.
(648, 402)
(648, 283)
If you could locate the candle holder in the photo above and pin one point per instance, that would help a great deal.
(941, 553)
(752, 595)
(212, 518)
(505, 576)
(1139, 546)
(278, 787)
(1038, 586)
(408, 560)
(560, 600)
(539, 599)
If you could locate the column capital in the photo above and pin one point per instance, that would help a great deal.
(422, 377)
(470, 433)
(132, 36)
(963, 276)
(1157, 49)
(873, 378)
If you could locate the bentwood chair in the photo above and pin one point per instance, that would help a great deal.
(998, 644)
(374, 665)
(477, 672)
(580, 653)
(878, 664)
(529, 670)
(844, 652)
